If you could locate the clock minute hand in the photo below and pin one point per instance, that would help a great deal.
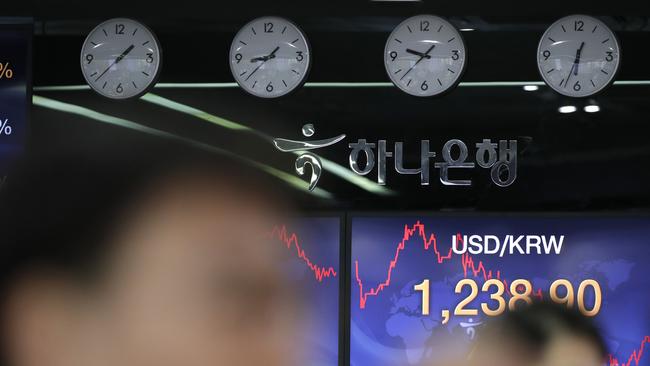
(577, 61)
(574, 67)
(116, 61)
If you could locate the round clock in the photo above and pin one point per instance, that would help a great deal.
(121, 59)
(425, 56)
(578, 56)
(270, 57)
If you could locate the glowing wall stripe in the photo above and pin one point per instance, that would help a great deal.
(468, 84)
(121, 122)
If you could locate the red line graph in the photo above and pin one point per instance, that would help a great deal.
(291, 239)
(429, 242)
(635, 356)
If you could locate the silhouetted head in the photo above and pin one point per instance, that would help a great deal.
(154, 256)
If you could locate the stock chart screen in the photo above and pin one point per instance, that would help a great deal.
(15, 85)
(597, 264)
(311, 248)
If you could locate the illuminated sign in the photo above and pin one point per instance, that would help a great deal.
(500, 158)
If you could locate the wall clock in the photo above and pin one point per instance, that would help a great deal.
(578, 56)
(270, 57)
(121, 59)
(425, 56)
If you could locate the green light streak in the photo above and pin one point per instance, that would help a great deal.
(124, 123)
(328, 165)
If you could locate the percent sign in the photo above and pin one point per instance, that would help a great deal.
(6, 71)
(5, 128)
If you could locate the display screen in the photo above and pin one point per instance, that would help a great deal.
(311, 248)
(595, 264)
(15, 86)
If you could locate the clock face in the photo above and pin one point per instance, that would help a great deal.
(425, 56)
(120, 59)
(270, 57)
(578, 56)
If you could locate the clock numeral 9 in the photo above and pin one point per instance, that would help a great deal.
(546, 54)
(454, 55)
(424, 85)
(268, 27)
(609, 57)
(578, 25)
(119, 89)
(89, 58)
(238, 57)
(299, 56)
(424, 26)
(119, 28)
(393, 55)
(269, 87)
(149, 57)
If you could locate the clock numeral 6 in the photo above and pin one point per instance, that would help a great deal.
(299, 56)
(89, 58)
(610, 56)
(269, 87)
(546, 54)
(393, 55)
(119, 89)
(577, 86)
(424, 85)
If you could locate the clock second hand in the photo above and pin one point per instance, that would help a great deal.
(574, 67)
(424, 55)
(116, 61)
(263, 59)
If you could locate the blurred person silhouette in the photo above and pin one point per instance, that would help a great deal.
(151, 257)
(542, 334)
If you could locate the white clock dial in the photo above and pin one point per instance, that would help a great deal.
(425, 56)
(270, 57)
(578, 56)
(120, 59)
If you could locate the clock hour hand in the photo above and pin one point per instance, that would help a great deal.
(267, 57)
(417, 53)
(418, 61)
(263, 59)
(116, 61)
